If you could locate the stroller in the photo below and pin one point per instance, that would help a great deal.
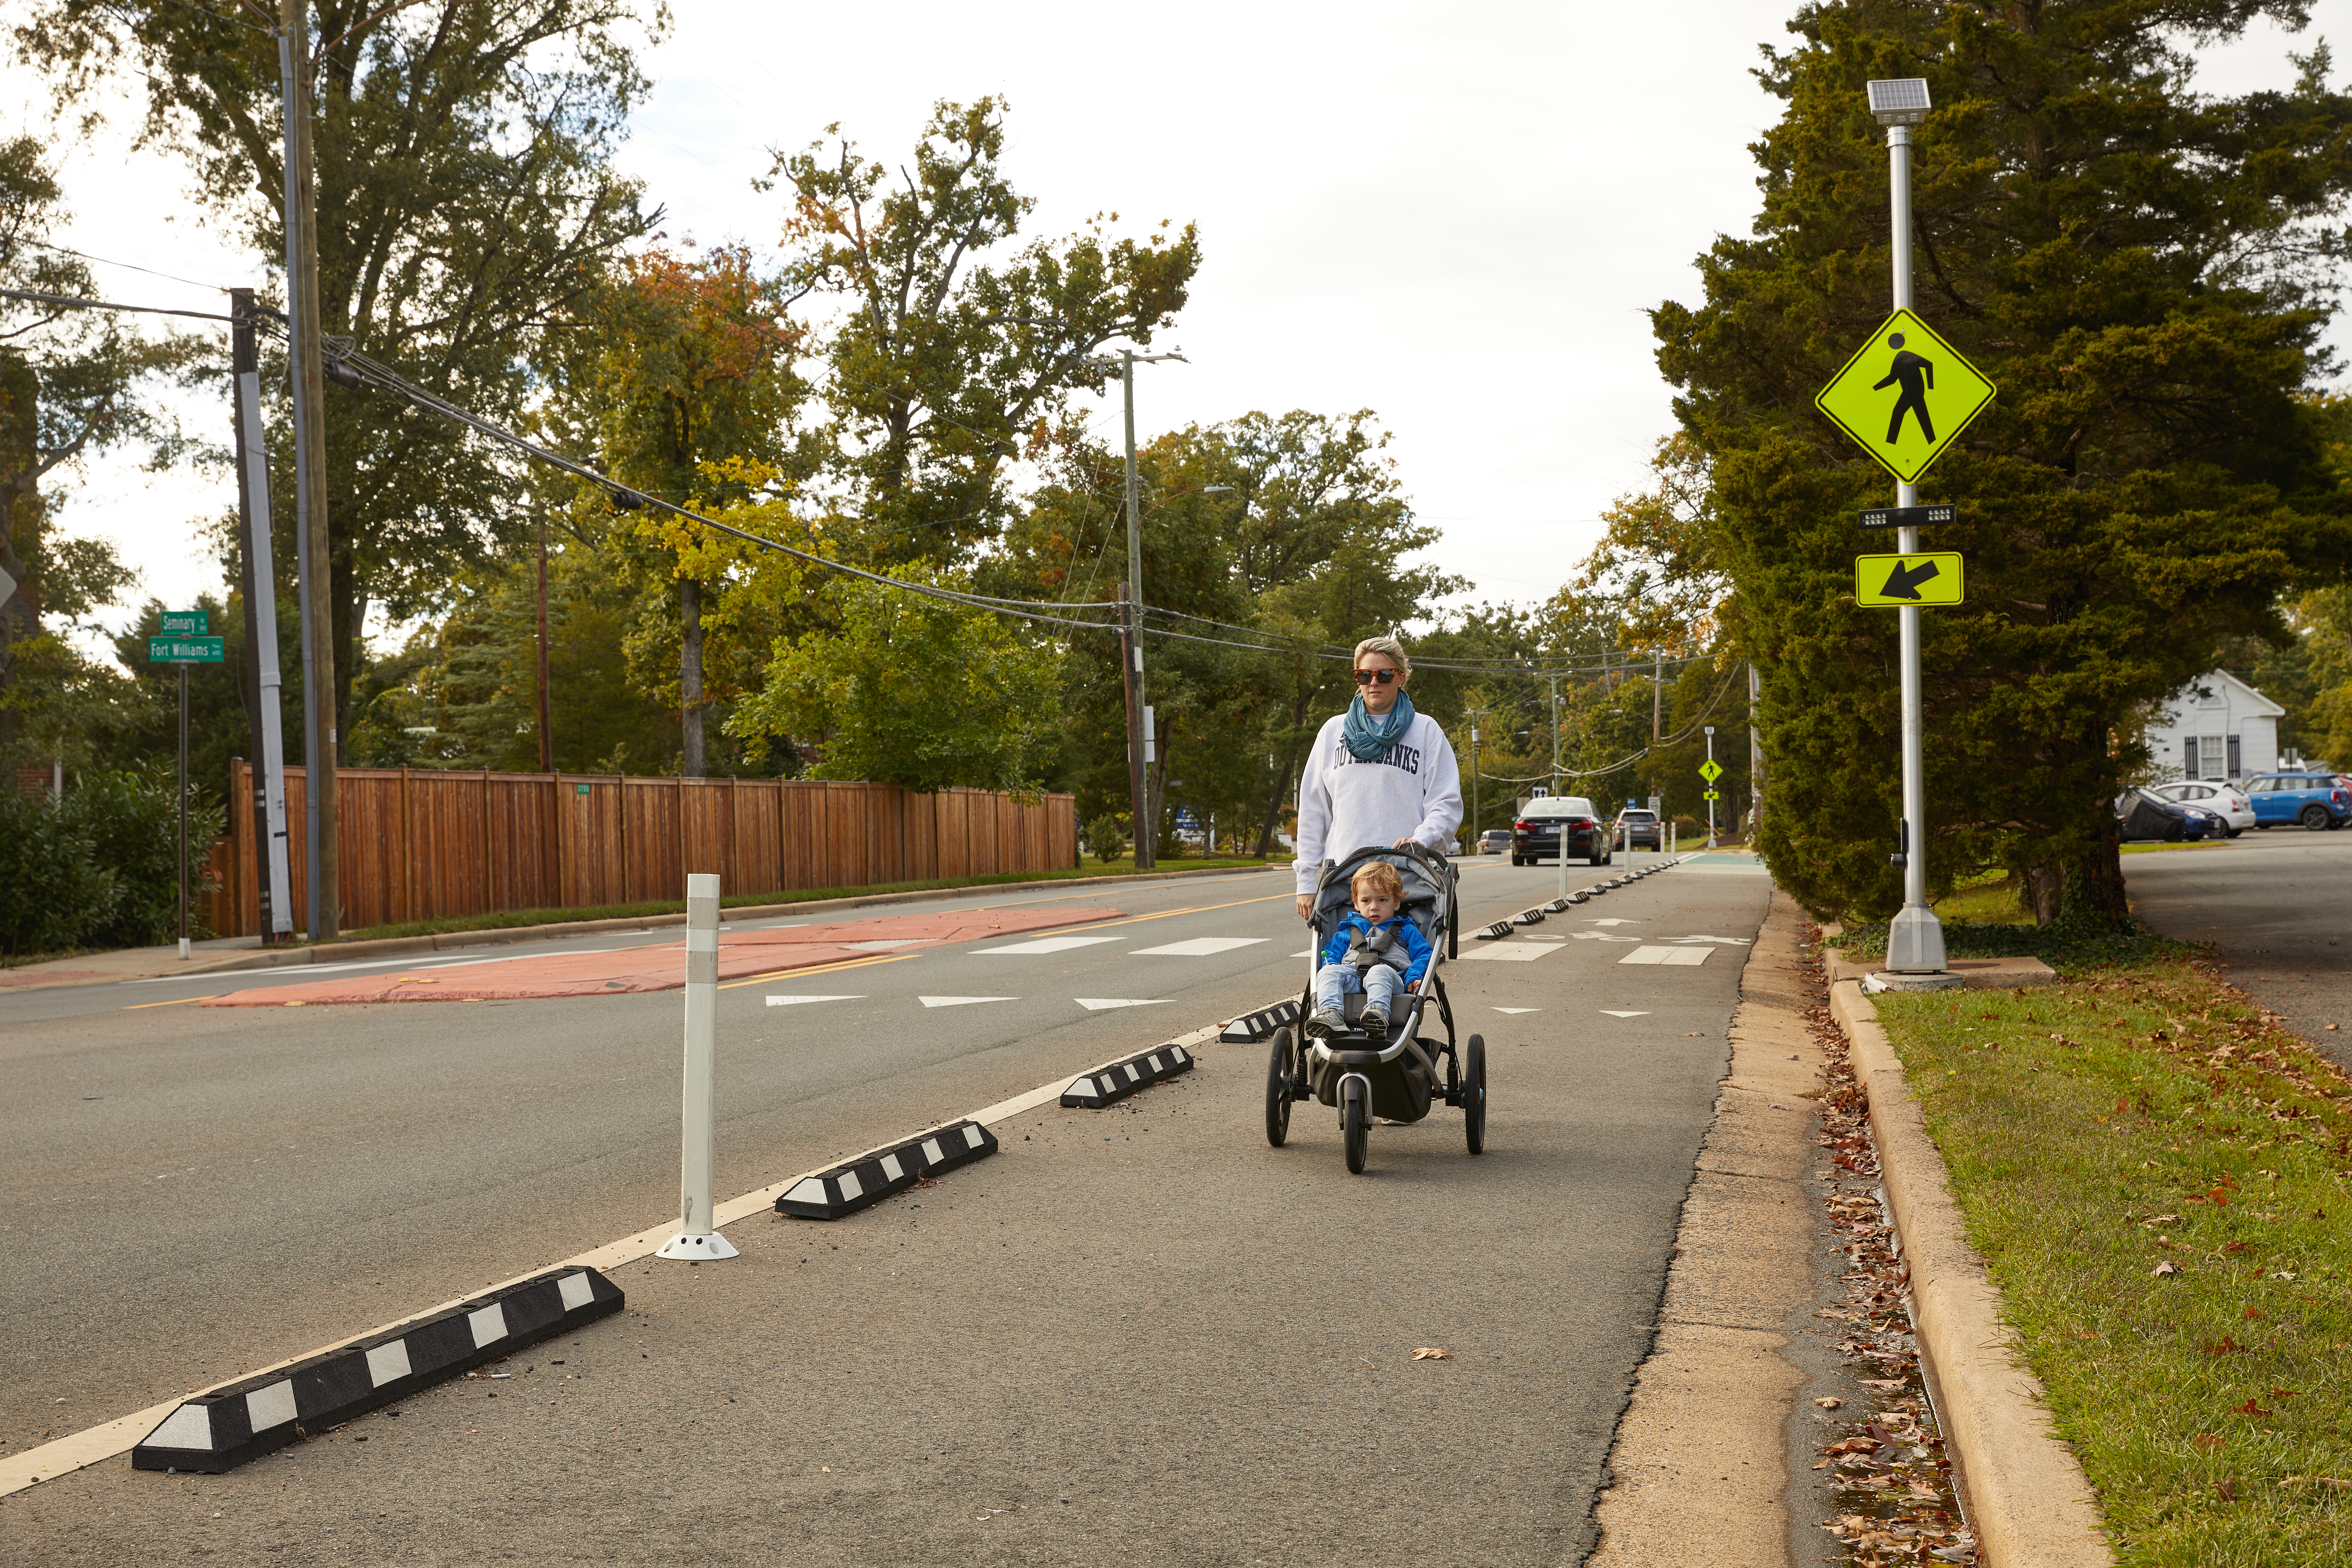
(1396, 1077)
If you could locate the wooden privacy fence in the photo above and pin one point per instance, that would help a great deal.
(421, 842)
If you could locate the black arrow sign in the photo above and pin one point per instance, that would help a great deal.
(1902, 582)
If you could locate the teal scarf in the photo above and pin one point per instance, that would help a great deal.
(1368, 738)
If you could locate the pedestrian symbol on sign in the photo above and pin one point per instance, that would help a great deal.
(1910, 371)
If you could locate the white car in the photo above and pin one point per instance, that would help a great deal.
(2223, 799)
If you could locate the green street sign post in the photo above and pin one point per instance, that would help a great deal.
(1898, 581)
(184, 645)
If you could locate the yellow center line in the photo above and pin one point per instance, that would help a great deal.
(821, 969)
(214, 997)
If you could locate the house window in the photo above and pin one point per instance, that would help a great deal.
(2210, 748)
(2234, 768)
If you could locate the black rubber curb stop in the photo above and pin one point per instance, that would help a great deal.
(1121, 1079)
(1251, 1028)
(868, 1179)
(217, 1432)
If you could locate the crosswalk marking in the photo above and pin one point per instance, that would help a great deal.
(961, 1001)
(1199, 947)
(1512, 952)
(1684, 956)
(796, 1001)
(1097, 1003)
(1724, 941)
(1050, 944)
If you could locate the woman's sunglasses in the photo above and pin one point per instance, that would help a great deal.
(1385, 676)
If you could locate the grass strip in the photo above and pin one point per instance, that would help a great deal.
(2156, 1175)
(506, 919)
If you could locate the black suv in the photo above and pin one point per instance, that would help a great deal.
(1638, 829)
(1547, 822)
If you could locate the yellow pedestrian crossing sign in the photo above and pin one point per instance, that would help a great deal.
(1891, 582)
(1906, 396)
(1710, 770)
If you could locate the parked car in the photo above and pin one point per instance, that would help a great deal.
(1549, 822)
(2313, 801)
(2142, 814)
(1640, 829)
(1495, 841)
(2226, 801)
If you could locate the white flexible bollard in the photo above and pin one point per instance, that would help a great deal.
(698, 1237)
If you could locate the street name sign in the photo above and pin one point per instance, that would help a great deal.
(184, 650)
(1904, 396)
(1710, 770)
(1891, 582)
(186, 623)
(1909, 516)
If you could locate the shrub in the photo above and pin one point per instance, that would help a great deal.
(1107, 838)
(100, 867)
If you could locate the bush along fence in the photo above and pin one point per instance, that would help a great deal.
(425, 844)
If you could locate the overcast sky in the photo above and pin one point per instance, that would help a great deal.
(1454, 215)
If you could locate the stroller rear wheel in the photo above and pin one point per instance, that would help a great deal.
(1278, 1089)
(1355, 1128)
(1474, 1093)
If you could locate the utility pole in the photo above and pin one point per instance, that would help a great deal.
(1754, 756)
(1474, 715)
(1142, 735)
(259, 573)
(1657, 688)
(546, 732)
(1915, 939)
(315, 556)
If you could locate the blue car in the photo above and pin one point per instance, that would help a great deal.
(2313, 801)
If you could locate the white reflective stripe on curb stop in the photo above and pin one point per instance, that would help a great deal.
(271, 1406)
(189, 1426)
(490, 1326)
(386, 1363)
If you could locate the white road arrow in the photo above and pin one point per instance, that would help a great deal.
(1614, 922)
(1097, 1003)
(1518, 1009)
(961, 1001)
(1614, 1014)
(796, 1001)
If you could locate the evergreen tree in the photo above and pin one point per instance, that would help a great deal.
(2142, 270)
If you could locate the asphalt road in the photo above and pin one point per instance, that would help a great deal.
(1201, 1342)
(2277, 907)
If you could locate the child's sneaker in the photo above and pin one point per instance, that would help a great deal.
(1375, 1022)
(1326, 1023)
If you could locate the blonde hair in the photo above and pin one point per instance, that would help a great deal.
(1382, 876)
(1388, 647)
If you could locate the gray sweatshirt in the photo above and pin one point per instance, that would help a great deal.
(1412, 791)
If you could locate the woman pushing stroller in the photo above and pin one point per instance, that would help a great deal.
(1379, 774)
(1375, 950)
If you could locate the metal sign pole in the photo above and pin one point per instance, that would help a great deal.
(1914, 943)
(1710, 787)
(184, 811)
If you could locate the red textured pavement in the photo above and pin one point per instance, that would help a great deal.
(741, 955)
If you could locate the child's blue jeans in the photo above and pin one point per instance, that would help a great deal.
(1379, 983)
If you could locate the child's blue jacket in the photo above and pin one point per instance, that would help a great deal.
(1415, 944)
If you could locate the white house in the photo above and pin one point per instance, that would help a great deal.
(2216, 727)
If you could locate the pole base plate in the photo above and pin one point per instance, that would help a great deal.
(697, 1248)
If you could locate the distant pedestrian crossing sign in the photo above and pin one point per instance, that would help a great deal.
(1906, 396)
(1710, 770)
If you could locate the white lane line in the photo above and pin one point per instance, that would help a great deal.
(1614, 922)
(1512, 952)
(796, 1001)
(417, 961)
(1724, 941)
(961, 1001)
(1614, 1014)
(1097, 1003)
(1684, 956)
(1198, 947)
(1050, 944)
(1304, 952)
(887, 943)
(1599, 936)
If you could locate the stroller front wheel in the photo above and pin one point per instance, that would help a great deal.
(1355, 1130)
(1278, 1089)
(1474, 1093)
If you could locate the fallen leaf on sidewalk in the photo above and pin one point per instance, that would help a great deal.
(1826, 1403)
(1431, 1352)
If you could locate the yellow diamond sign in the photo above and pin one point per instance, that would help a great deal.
(1904, 396)
(1710, 770)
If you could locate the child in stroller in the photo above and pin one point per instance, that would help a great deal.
(1375, 950)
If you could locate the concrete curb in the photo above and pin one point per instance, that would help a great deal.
(451, 942)
(2029, 1501)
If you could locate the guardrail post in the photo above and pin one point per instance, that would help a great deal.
(697, 1236)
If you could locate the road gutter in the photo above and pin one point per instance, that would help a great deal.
(1698, 1472)
(2028, 1500)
